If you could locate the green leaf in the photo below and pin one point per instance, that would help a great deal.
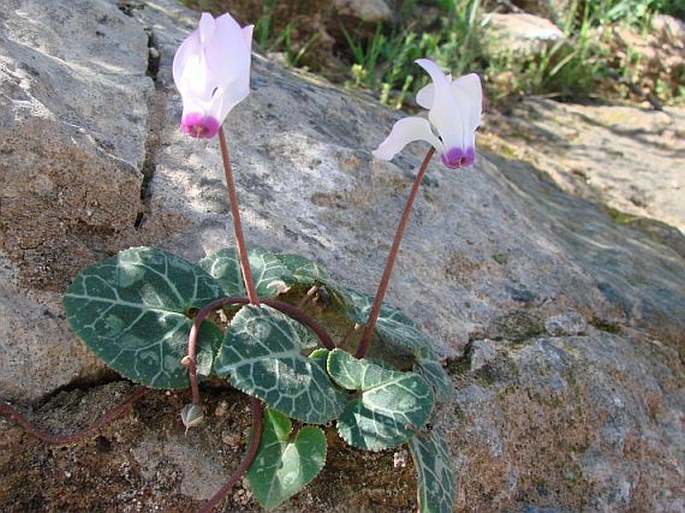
(285, 464)
(267, 271)
(263, 355)
(394, 327)
(389, 405)
(435, 475)
(430, 368)
(134, 311)
(358, 306)
(303, 271)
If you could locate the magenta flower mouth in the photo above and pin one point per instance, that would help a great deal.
(456, 158)
(200, 126)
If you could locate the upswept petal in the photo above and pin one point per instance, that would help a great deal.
(425, 96)
(205, 27)
(228, 53)
(444, 107)
(468, 92)
(190, 70)
(406, 130)
(239, 88)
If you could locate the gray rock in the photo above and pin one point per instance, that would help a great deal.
(370, 11)
(557, 11)
(567, 324)
(535, 429)
(617, 154)
(569, 423)
(521, 33)
(73, 127)
(482, 352)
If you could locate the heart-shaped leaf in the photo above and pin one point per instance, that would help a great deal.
(263, 355)
(389, 407)
(394, 327)
(429, 367)
(435, 475)
(134, 310)
(303, 271)
(267, 271)
(285, 462)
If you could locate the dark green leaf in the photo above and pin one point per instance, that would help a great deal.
(285, 464)
(303, 271)
(389, 405)
(267, 271)
(263, 353)
(134, 311)
(434, 373)
(394, 327)
(431, 456)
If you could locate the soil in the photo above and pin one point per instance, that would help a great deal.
(120, 468)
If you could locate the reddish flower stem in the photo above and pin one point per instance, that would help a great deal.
(237, 226)
(257, 424)
(46, 436)
(385, 280)
(288, 309)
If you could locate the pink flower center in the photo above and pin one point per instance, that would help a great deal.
(456, 158)
(198, 125)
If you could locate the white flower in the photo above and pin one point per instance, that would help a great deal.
(212, 72)
(454, 110)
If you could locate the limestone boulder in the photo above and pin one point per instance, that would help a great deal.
(521, 33)
(373, 11)
(73, 126)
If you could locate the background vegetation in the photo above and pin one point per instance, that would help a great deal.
(599, 55)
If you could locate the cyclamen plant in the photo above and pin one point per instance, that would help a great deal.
(147, 312)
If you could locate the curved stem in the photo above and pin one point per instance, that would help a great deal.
(46, 436)
(385, 280)
(257, 424)
(291, 310)
(237, 226)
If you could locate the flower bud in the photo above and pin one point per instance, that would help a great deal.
(192, 415)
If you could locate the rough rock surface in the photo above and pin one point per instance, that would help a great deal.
(370, 11)
(562, 329)
(555, 10)
(521, 32)
(73, 125)
(620, 155)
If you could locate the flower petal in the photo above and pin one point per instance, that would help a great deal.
(445, 110)
(189, 68)
(468, 92)
(228, 59)
(406, 130)
(425, 96)
(239, 88)
(206, 27)
(211, 70)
